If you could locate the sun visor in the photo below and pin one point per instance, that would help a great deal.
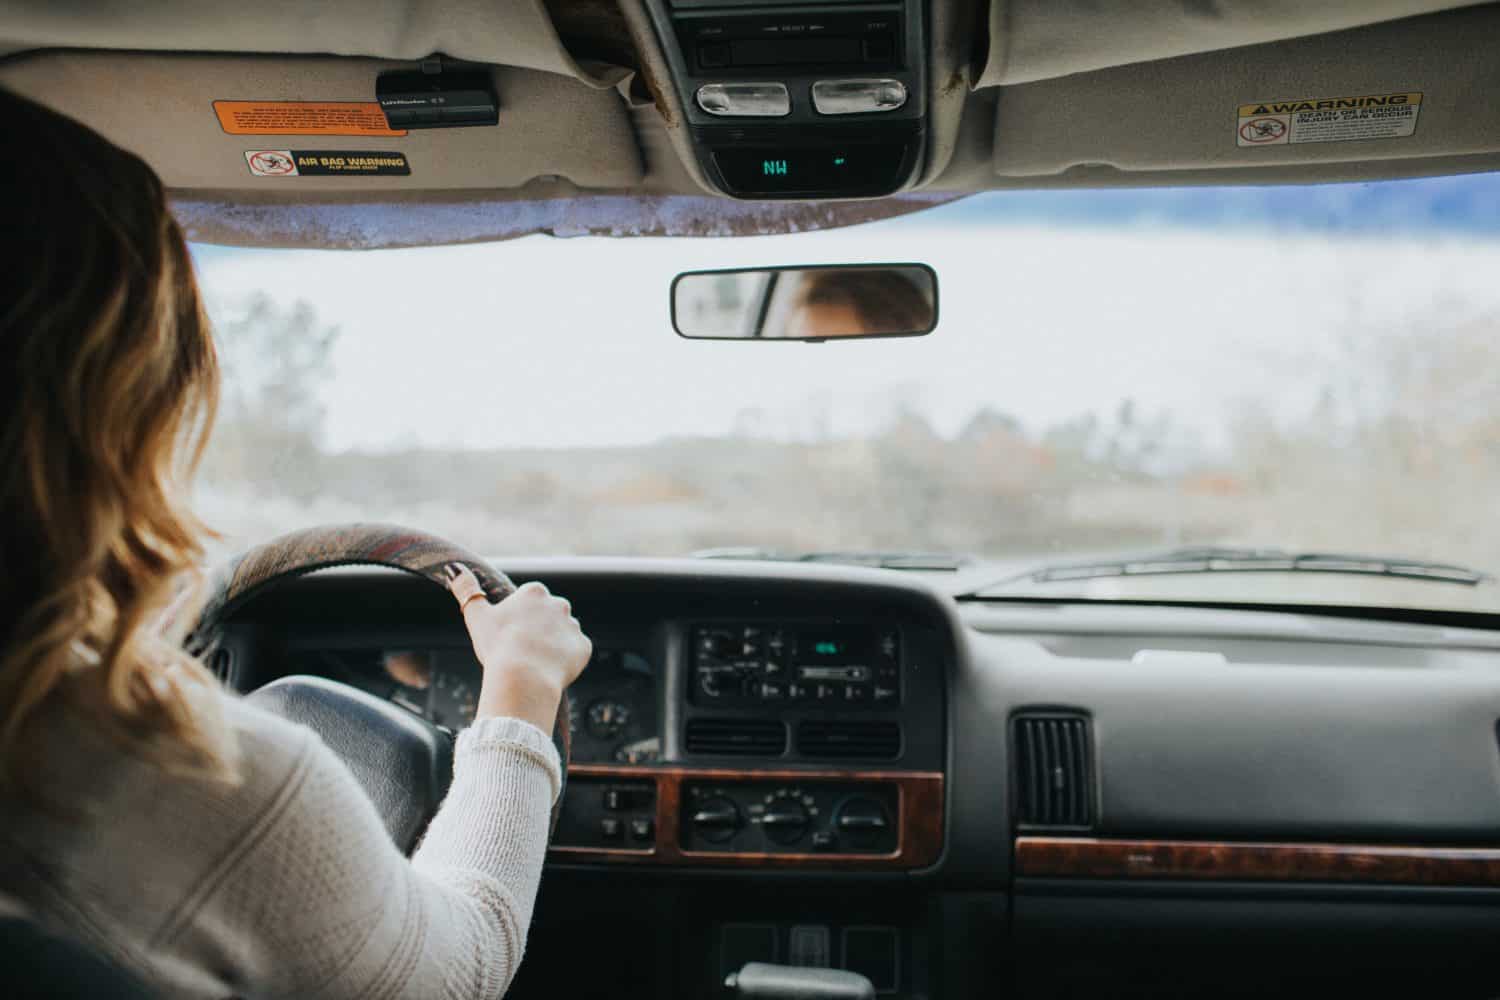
(1409, 90)
(1033, 40)
(516, 33)
(289, 128)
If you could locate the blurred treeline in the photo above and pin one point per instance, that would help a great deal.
(1398, 452)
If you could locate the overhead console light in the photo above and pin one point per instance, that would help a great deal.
(746, 100)
(825, 99)
(857, 97)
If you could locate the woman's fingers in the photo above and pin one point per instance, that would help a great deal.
(461, 581)
(467, 591)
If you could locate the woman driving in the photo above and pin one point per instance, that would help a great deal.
(204, 845)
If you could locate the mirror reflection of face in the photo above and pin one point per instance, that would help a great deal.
(857, 302)
(826, 319)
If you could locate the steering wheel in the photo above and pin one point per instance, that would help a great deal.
(403, 761)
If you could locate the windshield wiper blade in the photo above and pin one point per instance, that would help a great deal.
(1217, 559)
(916, 561)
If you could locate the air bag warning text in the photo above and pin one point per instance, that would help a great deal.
(303, 118)
(325, 163)
(1328, 119)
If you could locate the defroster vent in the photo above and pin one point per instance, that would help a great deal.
(849, 739)
(737, 737)
(1054, 771)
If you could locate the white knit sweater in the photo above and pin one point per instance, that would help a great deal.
(288, 884)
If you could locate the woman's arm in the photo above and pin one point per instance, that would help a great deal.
(317, 900)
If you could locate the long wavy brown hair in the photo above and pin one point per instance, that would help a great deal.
(108, 387)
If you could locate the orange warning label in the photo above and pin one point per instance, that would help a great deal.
(303, 118)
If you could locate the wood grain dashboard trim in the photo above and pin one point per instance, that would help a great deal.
(919, 831)
(1084, 857)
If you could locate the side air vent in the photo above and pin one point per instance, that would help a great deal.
(737, 737)
(850, 739)
(1054, 771)
(221, 664)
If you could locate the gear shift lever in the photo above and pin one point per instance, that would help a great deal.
(762, 981)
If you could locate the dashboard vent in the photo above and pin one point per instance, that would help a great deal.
(221, 665)
(1054, 771)
(850, 739)
(736, 737)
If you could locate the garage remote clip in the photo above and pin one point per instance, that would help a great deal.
(437, 98)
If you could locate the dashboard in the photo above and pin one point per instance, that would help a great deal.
(715, 727)
(848, 764)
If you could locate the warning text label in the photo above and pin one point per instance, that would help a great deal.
(1328, 119)
(325, 163)
(303, 118)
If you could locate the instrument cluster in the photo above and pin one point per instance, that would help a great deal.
(614, 703)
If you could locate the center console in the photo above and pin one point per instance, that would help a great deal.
(800, 100)
(788, 741)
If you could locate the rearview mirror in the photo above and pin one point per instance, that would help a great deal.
(842, 301)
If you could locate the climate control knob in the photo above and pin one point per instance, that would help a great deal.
(716, 819)
(862, 822)
(785, 820)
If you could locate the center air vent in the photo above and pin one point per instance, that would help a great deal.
(736, 737)
(849, 739)
(1054, 771)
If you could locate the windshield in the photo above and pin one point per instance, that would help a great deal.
(1305, 369)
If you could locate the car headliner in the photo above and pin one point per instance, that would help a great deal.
(1023, 94)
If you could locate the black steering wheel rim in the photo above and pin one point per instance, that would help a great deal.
(264, 567)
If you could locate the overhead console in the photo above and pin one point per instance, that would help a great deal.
(800, 100)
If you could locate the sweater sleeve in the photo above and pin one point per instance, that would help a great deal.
(319, 902)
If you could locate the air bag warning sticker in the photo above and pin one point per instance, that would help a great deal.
(1328, 119)
(325, 163)
(303, 118)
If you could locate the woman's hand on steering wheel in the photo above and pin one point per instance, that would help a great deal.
(530, 646)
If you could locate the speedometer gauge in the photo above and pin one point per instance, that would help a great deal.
(608, 718)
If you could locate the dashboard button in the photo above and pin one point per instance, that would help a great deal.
(616, 799)
(715, 682)
(856, 692)
(611, 828)
(798, 692)
(826, 692)
(885, 694)
(640, 828)
(771, 691)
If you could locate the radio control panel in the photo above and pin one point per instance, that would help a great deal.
(770, 663)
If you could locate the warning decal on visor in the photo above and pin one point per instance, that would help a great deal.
(325, 163)
(303, 118)
(1328, 119)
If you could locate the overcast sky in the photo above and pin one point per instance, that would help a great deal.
(550, 342)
